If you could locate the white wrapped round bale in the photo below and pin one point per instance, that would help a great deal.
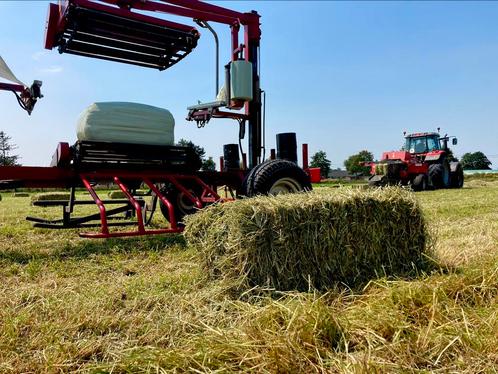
(122, 122)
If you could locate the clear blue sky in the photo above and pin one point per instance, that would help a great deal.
(345, 76)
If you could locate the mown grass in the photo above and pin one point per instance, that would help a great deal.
(146, 305)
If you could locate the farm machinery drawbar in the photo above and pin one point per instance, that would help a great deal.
(424, 162)
(121, 31)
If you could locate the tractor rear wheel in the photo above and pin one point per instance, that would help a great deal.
(456, 175)
(182, 205)
(419, 183)
(439, 175)
(276, 177)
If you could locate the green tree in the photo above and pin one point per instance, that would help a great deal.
(6, 147)
(451, 157)
(208, 165)
(475, 161)
(319, 160)
(354, 163)
(198, 149)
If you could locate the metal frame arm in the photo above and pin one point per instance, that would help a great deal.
(26, 96)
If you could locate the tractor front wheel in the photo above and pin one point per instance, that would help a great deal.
(419, 183)
(276, 177)
(182, 205)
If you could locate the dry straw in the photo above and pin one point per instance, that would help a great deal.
(116, 194)
(20, 194)
(50, 196)
(311, 240)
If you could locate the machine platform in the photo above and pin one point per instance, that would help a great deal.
(117, 34)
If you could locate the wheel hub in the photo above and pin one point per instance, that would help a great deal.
(284, 185)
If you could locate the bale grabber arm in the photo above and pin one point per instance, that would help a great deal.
(26, 96)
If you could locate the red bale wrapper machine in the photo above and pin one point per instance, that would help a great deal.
(120, 31)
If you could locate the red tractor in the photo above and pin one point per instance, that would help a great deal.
(425, 162)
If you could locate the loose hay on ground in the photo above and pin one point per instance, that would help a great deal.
(294, 242)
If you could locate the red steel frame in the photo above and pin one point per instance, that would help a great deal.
(56, 177)
(208, 195)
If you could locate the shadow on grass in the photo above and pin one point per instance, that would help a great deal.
(92, 247)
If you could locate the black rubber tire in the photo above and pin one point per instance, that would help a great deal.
(457, 177)
(439, 175)
(265, 177)
(181, 204)
(419, 183)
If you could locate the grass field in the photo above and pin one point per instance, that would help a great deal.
(146, 305)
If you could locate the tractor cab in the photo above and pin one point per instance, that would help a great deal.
(422, 143)
(426, 142)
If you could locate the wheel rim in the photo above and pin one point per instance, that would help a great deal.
(185, 205)
(285, 185)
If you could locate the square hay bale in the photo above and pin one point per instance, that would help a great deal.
(117, 194)
(20, 194)
(298, 241)
(63, 196)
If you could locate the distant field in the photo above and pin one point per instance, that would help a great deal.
(146, 305)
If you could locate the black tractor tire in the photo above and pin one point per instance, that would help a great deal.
(274, 177)
(439, 175)
(456, 177)
(182, 205)
(419, 183)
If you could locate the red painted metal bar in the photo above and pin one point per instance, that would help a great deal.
(187, 193)
(235, 41)
(120, 234)
(219, 114)
(38, 177)
(179, 11)
(125, 12)
(206, 188)
(134, 202)
(100, 204)
(166, 202)
(12, 87)
(210, 8)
